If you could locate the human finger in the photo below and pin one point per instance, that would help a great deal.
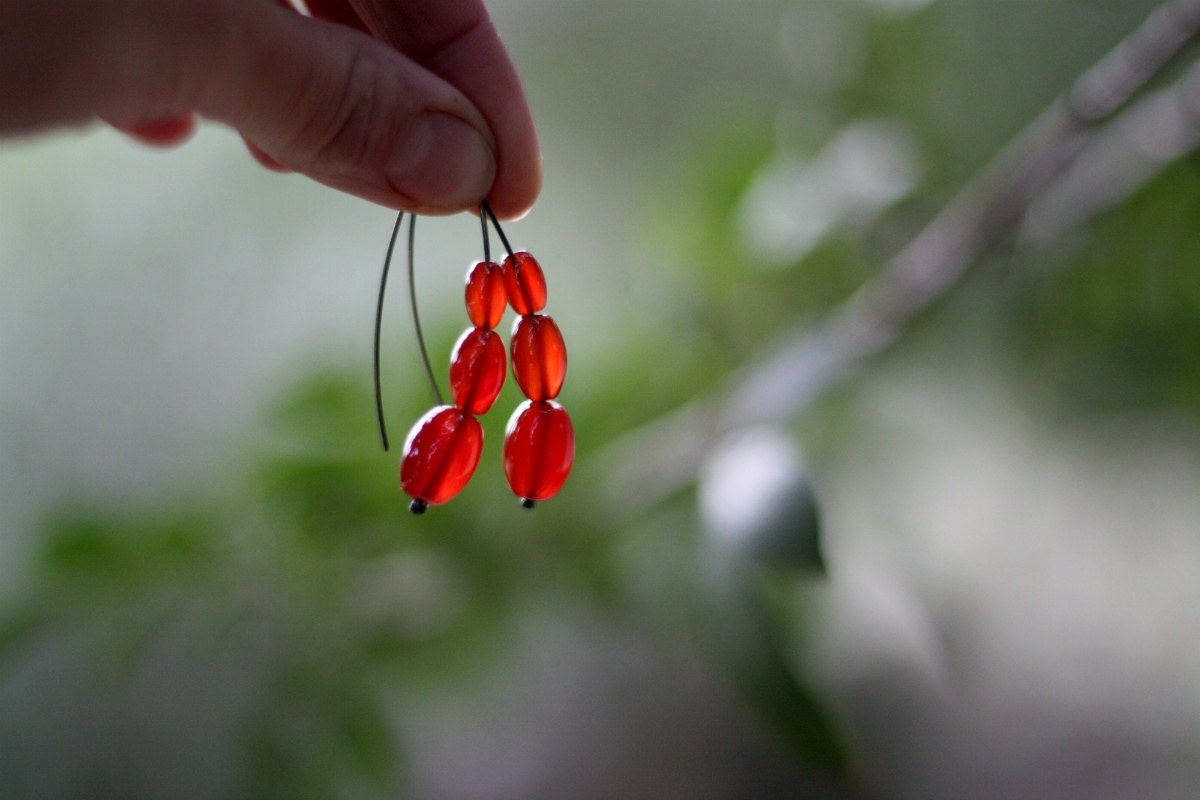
(457, 40)
(321, 99)
(338, 11)
(166, 132)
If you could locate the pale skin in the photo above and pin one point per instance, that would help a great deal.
(414, 104)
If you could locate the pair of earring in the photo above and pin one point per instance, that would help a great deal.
(444, 446)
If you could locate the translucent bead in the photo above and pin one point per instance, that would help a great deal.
(525, 283)
(539, 356)
(539, 449)
(486, 296)
(477, 370)
(440, 455)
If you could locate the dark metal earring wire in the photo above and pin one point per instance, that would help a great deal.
(412, 294)
(495, 224)
(483, 223)
(387, 263)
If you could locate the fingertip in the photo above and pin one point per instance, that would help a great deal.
(509, 208)
(518, 184)
(442, 163)
(479, 65)
(166, 132)
(263, 158)
(338, 11)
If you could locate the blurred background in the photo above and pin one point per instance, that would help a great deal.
(967, 566)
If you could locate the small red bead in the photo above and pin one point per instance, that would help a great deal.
(539, 356)
(539, 449)
(486, 295)
(525, 283)
(477, 370)
(440, 455)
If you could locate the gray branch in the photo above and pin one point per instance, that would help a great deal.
(1089, 150)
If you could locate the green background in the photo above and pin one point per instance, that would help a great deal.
(967, 569)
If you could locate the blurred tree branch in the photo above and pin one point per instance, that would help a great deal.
(1095, 145)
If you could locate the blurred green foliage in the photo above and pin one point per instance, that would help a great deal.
(1111, 322)
(328, 606)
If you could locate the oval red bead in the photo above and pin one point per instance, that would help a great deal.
(440, 454)
(539, 449)
(539, 356)
(525, 283)
(477, 370)
(486, 296)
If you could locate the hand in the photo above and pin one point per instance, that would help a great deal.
(424, 113)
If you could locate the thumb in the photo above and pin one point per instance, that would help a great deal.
(318, 98)
(338, 105)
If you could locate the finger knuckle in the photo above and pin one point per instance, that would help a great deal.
(352, 125)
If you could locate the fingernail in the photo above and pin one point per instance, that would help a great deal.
(442, 162)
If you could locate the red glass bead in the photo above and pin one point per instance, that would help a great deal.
(525, 283)
(477, 370)
(440, 455)
(539, 449)
(486, 295)
(539, 356)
